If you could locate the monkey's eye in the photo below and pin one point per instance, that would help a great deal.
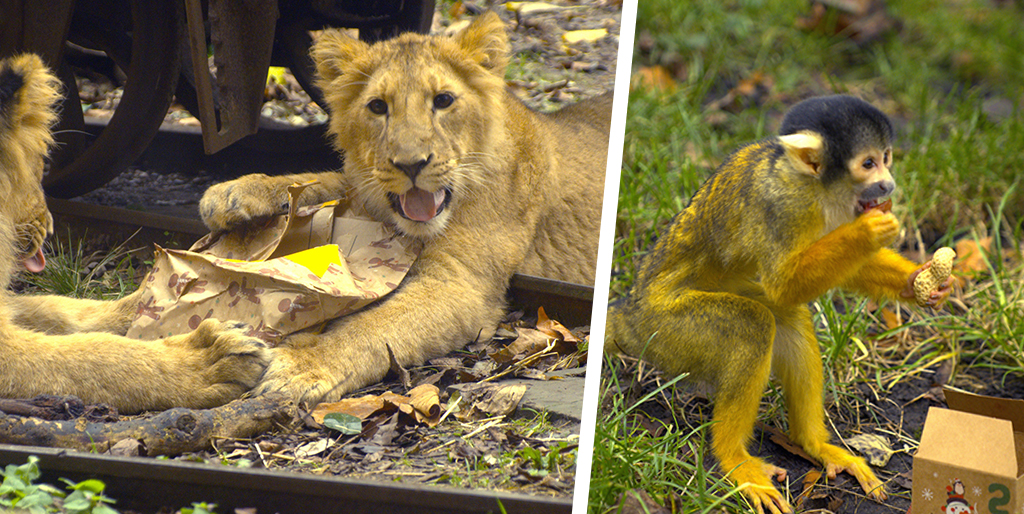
(868, 164)
(377, 106)
(443, 100)
(888, 157)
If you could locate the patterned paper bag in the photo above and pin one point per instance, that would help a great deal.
(314, 264)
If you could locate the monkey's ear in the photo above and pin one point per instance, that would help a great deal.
(805, 151)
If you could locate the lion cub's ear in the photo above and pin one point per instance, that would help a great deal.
(334, 52)
(486, 42)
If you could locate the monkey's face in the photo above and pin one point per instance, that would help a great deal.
(872, 182)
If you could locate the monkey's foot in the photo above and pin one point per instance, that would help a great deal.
(837, 460)
(754, 478)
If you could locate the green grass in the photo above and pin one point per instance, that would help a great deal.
(952, 79)
(73, 271)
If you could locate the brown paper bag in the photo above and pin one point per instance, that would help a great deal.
(314, 264)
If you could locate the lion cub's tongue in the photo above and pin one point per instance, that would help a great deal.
(35, 263)
(420, 205)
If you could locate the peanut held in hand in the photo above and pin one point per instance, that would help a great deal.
(930, 279)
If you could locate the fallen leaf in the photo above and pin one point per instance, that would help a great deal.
(313, 449)
(403, 374)
(362, 407)
(750, 91)
(529, 342)
(345, 423)
(501, 401)
(532, 7)
(426, 401)
(875, 447)
(457, 10)
(970, 255)
(781, 439)
(588, 35)
(810, 480)
(553, 328)
(653, 78)
(484, 400)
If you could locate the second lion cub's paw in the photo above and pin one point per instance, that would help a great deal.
(226, 360)
(231, 204)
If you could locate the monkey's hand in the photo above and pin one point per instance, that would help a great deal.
(937, 297)
(880, 228)
(753, 477)
(837, 460)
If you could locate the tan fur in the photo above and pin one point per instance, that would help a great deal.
(525, 196)
(211, 366)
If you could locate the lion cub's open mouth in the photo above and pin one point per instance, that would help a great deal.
(419, 205)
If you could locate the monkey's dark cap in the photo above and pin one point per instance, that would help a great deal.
(847, 124)
(828, 115)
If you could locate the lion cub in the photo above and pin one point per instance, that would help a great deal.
(437, 147)
(211, 366)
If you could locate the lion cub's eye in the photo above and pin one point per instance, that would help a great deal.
(378, 106)
(443, 100)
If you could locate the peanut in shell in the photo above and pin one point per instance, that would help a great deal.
(930, 279)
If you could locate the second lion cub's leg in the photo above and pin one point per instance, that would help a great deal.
(210, 366)
(798, 366)
(62, 315)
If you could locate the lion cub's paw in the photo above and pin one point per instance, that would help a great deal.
(307, 387)
(231, 204)
(230, 361)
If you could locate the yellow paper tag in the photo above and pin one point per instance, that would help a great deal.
(317, 259)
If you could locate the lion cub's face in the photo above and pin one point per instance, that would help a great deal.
(28, 92)
(415, 117)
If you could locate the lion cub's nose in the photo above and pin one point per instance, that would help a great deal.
(412, 169)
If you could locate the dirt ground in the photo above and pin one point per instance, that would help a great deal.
(899, 411)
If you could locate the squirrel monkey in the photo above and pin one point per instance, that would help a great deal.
(724, 293)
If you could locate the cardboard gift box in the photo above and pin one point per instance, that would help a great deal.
(971, 457)
(297, 270)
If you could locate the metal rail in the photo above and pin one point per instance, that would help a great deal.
(146, 485)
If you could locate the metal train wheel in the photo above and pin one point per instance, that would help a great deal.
(151, 68)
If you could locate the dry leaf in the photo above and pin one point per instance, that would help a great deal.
(529, 342)
(553, 328)
(426, 401)
(876, 448)
(532, 7)
(457, 10)
(484, 400)
(313, 449)
(810, 480)
(362, 407)
(750, 91)
(971, 255)
(588, 35)
(396, 368)
(782, 440)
